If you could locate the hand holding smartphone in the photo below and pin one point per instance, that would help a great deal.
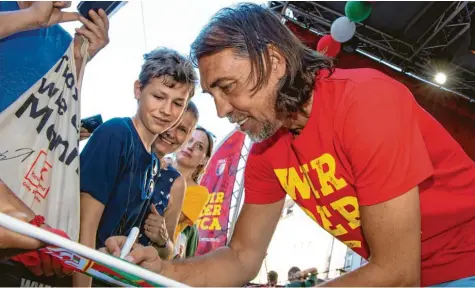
(110, 7)
(91, 123)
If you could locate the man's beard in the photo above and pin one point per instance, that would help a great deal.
(266, 131)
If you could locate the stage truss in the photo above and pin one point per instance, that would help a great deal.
(417, 59)
(237, 199)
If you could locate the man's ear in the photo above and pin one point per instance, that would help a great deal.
(278, 63)
(137, 89)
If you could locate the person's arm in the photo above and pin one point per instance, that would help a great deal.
(91, 214)
(96, 32)
(393, 232)
(254, 228)
(12, 22)
(8, 198)
(380, 134)
(172, 214)
(12, 243)
(9, 201)
(312, 271)
(100, 162)
(38, 15)
(263, 203)
(246, 251)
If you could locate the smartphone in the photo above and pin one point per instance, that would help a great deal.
(110, 7)
(91, 123)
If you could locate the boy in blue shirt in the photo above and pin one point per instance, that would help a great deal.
(118, 170)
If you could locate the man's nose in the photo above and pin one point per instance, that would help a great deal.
(223, 107)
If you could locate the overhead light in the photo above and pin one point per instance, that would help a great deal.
(440, 78)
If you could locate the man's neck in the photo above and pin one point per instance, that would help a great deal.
(297, 123)
(145, 135)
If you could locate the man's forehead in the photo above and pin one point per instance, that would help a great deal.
(215, 66)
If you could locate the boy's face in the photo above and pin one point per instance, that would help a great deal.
(161, 102)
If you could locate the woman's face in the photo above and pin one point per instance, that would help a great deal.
(171, 140)
(193, 153)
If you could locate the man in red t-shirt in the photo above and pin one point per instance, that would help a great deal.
(351, 147)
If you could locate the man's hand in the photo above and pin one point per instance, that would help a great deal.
(96, 31)
(147, 257)
(155, 227)
(48, 13)
(84, 134)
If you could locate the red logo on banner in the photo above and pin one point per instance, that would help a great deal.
(37, 178)
(219, 179)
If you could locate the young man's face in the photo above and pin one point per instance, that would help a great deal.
(161, 102)
(225, 76)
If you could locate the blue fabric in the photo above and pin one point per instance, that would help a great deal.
(160, 197)
(26, 56)
(464, 282)
(113, 164)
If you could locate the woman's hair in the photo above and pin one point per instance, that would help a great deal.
(191, 107)
(200, 169)
(250, 30)
(168, 62)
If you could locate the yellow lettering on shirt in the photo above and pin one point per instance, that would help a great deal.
(327, 225)
(291, 181)
(327, 177)
(347, 207)
(341, 206)
(305, 170)
(353, 243)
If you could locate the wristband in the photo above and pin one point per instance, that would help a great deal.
(162, 246)
(38, 220)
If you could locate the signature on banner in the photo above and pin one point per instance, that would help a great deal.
(20, 152)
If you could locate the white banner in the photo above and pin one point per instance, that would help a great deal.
(39, 151)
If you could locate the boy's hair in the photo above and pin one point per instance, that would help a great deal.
(168, 62)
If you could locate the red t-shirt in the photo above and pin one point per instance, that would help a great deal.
(368, 141)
